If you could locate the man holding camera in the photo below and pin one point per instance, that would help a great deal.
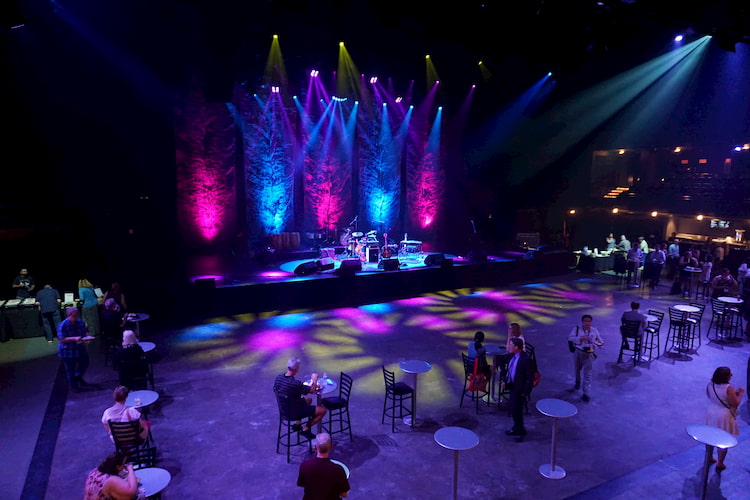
(585, 339)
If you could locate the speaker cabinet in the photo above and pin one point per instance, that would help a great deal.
(372, 253)
(389, 265)
(326, 264)
(307, 268)
(434, 259)
(349, 267)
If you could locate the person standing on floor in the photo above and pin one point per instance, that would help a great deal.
(90, 307)
(49, 306)
(519, 381)
(623, 245)
(585, 339)
(634, 263)
(321, 478)
(722, 408)
(23, 284)
(72, 333)
(673, 258)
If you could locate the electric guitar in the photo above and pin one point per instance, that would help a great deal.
(386, 252)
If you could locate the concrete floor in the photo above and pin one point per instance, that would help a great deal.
(215, 422)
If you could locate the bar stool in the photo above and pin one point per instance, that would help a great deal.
(703, 290)
(629, 331)
(398, 402)
(720, 322)
(679, 331)
(695, 319)
(651, 338)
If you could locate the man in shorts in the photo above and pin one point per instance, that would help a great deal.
(300, 399)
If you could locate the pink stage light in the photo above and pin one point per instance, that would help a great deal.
(364, 321)
(273, 340)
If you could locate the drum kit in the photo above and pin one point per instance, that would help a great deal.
(366, 246)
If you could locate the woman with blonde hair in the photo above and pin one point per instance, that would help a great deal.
(514, 330)
(90, 306)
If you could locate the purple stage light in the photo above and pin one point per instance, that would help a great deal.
(273, 340)
(364, 321)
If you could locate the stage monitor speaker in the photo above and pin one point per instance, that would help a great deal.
(348, 267)
(477, 256)
(389, 264)
(307, 268)
(433, 259)
(326, 264)
(446, 263)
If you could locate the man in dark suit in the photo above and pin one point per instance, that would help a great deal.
(519, 381)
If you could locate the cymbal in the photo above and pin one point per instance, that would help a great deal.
(379, 221)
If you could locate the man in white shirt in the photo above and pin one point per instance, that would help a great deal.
(585, 339)
(673, 259)
(743, 273)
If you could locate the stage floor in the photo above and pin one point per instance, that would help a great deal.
(312, 263)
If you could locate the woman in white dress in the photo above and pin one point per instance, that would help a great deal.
(722, 408)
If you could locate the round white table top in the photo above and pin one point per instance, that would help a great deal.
(136, 316)
(147, 346)
(415, 366)
(712, 436)
(343, 466)
(327, 385)
(153, 480)
(731, 300)
(456, 438)
(686, 308)
(558, 408)
(495, 349)
(146, 398)
(649, 319)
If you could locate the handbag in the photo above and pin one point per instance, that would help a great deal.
(477, 381)
(732, 409)
(571, 345)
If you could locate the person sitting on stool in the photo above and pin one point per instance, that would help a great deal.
(299, 398)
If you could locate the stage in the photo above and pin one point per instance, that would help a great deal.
(318, 278)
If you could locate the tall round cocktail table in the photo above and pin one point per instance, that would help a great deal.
(711, 437)
(555, 408)
(416, 367)
(153, 480)
(456, 439)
